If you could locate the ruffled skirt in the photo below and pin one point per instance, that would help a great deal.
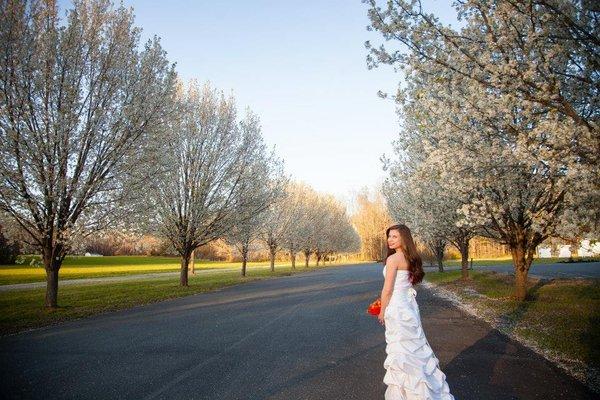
(412, 370)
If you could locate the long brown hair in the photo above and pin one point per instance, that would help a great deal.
(408, 248)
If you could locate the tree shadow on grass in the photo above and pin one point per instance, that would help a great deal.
(497, 367)
(511, 319)
(590, 338)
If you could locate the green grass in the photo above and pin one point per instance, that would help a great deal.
(23, 309)
(565, 316)
(75, 267)
(508, 261)
(560, 315)
(479, 262)
(489, 283)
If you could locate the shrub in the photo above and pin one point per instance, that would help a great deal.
(9, 250)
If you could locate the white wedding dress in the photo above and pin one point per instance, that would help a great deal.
(412, 370)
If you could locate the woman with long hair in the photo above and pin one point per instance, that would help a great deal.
(412, 370)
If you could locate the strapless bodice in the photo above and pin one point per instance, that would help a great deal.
(402, 285)
(401, 278)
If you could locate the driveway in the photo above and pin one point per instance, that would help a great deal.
(300, 337)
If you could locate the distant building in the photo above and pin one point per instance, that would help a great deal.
(587, 248)
(544, 252)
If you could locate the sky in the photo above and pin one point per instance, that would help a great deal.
(301, 66)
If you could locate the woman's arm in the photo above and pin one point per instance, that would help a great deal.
(388, 285)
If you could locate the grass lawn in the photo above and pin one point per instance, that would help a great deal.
(509, 261)
(561, 316)
(76, 267)
(23, 309)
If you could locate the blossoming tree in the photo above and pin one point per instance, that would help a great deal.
(509, 110)
(78, 101)
(213, 172)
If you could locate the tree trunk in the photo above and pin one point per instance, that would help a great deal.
(464, 255)
(52, 259)
(183, 277)
(192, 262)
(244, 258)
(439, 256)
(318, 259)
(51, 288)
(244, 266)
(520, 284)
(306, 258)
(555, 250)
(437, 247)
(293, 256)
(521, 265)
(272, 257)
(574, 248)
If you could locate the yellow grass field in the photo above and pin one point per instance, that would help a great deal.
(78, 267)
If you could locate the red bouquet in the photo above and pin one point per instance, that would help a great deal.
(375, 307)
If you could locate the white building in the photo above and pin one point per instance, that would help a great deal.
(587, 248)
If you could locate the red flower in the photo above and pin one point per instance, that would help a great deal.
(375, 307)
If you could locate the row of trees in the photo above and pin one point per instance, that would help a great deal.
(500, 133)
(212, 172)
(299, 221)
(97, 132)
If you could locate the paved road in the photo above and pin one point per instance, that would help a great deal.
(301, 337)
(557, 270)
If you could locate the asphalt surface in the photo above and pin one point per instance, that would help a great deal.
(301, 337)
(586, 270)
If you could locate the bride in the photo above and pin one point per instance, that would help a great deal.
(412, 370)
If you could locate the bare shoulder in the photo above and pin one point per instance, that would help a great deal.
(398, 261)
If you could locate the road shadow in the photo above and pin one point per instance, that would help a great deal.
(497, 367)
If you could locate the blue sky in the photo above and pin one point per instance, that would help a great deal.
(300, 65)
